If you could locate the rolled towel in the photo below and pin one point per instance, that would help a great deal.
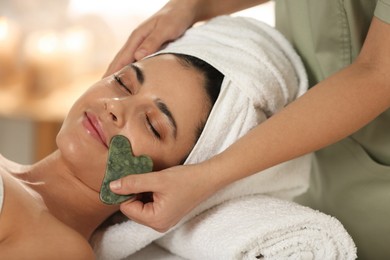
(262, 74)
(260, 227)
(121, 240)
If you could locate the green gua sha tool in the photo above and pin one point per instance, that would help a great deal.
(121, 162)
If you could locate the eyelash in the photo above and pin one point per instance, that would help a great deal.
(119, 81)
(155, 132)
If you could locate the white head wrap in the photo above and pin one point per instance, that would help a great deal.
(262, 74)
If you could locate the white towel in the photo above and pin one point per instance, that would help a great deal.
(153, 251)
(262, 74)
(260, 227)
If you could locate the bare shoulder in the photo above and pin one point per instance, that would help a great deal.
(61, 242)
(81, 249)
(29, 231)
(37, 234)
(69, 245)
(49, 242)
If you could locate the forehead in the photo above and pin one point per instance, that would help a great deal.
(167, 73)
(179, 85)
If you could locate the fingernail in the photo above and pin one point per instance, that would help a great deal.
(139, 54)
(115, 185)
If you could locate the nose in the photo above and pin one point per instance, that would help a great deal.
(115, 109)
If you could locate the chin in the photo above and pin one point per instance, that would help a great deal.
(82, 156)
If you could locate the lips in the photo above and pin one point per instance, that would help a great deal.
(93, 127)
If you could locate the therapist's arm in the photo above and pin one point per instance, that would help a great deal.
(330, 111)
(169, 23)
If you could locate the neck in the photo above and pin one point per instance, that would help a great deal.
(66, 197)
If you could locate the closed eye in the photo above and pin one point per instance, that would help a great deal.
(151, 127)
(119, 81)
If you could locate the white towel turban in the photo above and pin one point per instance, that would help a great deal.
(262, 74)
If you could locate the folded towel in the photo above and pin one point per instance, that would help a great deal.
(153, 251)
(260, 227)
(121, 240)
(262, 74)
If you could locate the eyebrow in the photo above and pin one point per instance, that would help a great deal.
(139, 73)
(158, 102)
(165, 110)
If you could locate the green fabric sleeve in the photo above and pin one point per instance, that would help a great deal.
(382, 10)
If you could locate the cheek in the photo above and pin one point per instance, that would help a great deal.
(168, 156)
(142, 144)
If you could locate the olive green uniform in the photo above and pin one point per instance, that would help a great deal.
(350, 179)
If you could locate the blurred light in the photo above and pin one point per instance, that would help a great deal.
(4, 28)
(76, 39)
(116, 7)
(48, 43)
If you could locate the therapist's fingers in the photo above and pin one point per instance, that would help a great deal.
(166, 26)
(136, 183)
(169, 23)
(174, 192)
(125, 55)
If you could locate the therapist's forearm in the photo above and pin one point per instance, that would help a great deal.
(327, 113)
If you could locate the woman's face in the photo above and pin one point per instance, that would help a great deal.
(157, 103)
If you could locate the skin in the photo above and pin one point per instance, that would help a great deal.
(60, 194)
(361, 89)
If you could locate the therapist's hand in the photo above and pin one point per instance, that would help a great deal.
(169, 23)
(175, 192)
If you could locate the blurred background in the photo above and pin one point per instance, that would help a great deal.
(51, 52)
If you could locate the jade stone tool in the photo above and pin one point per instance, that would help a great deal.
(121, 162)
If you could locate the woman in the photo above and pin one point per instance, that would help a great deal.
(50, 209)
